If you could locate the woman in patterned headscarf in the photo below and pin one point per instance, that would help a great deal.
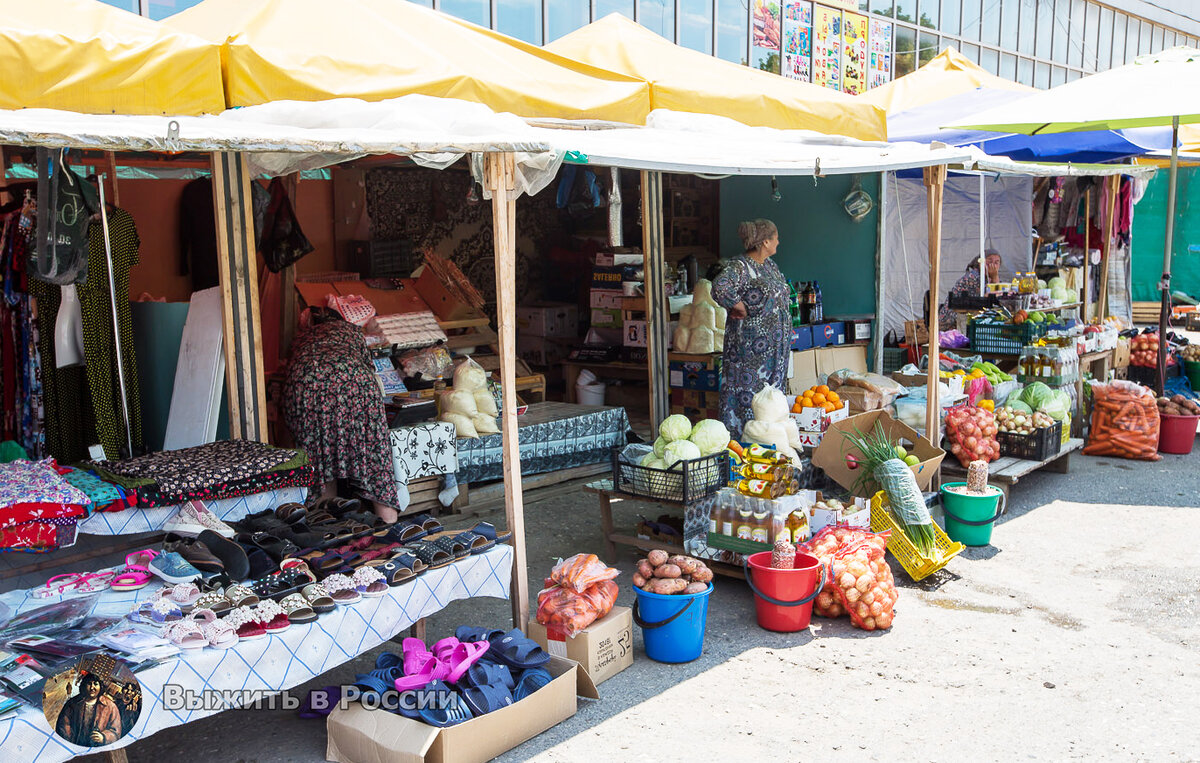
(759, 326)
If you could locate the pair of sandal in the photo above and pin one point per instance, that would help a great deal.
(75, 584)
(202, 629)
(416, 527)
(442, 549)
(366, 582)
(222, 599)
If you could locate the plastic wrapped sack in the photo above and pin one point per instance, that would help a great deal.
(485, 424)
(769, 405)
(888, 389)
(470, 376)
(464, 426)
(565, 610)
(580, 571)
(1125, 421)
(485, 403)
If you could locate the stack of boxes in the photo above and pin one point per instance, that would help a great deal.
(695, 382)
(606, 300)
(546, 331)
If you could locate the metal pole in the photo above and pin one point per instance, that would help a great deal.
(112, 292)
(982, 241)
(1168, 241)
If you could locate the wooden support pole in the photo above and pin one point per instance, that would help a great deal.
(287, 299)
(1114, 187)
(499, 171)
(5, 196)
(237, 263)
(1087, 251)
(935, 180)
(112, 173)
(658, 314)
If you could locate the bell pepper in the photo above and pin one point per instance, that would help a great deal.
(988, 405)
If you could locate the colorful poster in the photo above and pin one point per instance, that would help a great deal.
(797, 40)
(827, 47)
(879, 63)
(766, 36)
(854, 53)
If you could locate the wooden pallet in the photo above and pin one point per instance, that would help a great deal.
(1007, 471)
(1146, 313)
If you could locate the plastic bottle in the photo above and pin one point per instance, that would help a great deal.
(715, 517)
(745, 524)
(761, 530)
(757, 453)
(760, 488)
(729, 520)
(772, 472)
(818, 314)
(797, 526)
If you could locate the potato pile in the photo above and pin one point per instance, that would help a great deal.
(662, 573)
(1178, 405)
(1191, 352)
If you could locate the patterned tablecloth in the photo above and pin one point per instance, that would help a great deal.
(137, 520)
(553, 436)
(275, 663)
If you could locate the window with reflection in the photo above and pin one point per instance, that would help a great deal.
(1132, 37)
(928, 14)
(1025, 71)
(733, 30)
(159, 9)
(1058, 76)
(1010, 17)
(970, 51)
(1045, 29)
(563, 17)
(905, 60)
(989, 59)
(1156, 40)
(1026, 26)
(1144, 39)
(658, 16)
(475, 11)
(927, 48)
(1061, 29)
(951, 16)
(1104, 43)
(881, 7)
(695, 24)
(1008, 66)
(1091, 37)
(1041, 75)
(1075, 41)
(990, 23)
(906, 10)
(970, 18)
(607, 7)
(521, 19)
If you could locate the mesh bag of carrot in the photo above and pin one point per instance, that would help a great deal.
(1124, 421)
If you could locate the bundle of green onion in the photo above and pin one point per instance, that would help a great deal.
(907, 505)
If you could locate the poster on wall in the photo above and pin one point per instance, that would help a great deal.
(854, 53)
(797, 40)
(766, 36)
(879, 63)
(827, 47)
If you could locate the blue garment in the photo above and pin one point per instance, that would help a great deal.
(756, 347)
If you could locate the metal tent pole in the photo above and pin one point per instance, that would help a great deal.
(1165, 284)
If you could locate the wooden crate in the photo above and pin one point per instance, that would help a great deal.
(1146, 313)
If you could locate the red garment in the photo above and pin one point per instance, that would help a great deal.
(30, 536)
(23, 513)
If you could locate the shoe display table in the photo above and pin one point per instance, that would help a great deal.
(135, 520)
(272, 663)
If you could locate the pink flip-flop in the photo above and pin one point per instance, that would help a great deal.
(428, 670)
(461, 658)
(136, 573)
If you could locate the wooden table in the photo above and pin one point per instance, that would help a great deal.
(617, 369)
(608, 496)
(1007, 470)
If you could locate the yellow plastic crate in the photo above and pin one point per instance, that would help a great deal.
(916, 565)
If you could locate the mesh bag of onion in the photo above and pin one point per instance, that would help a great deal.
(972, 434)
(825, 545)
(864, 584)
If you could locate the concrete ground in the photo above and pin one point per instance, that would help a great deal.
(1076, 635)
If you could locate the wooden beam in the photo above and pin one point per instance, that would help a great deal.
(237, 263)
(935, 179)
(287, 300)
(657, 312)
(1114, 188)
(1087, 252)
(112, 172)
(500, 169)
(5, 196)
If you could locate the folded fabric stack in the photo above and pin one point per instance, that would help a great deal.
(408, 330)
(104, 496)
(225, 469)
(38, 508)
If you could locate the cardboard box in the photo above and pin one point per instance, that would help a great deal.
(809, 439)
(543, 350)
(609, 259)
(802, 338)
(358, 735)
(817, 420)
(1121, 354)
(444, 305)
(602, 650)
(635, 333)
(916, 333)
(858, 327)
(549, 319)
(828, 333)
(607, 318)
(606, 299)
(613, 276)
(809, 365)
(832, 452)
(858, 400)
(857, 516)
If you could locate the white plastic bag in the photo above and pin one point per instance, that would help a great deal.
(470, 376)
(463, 425)
(769, 405)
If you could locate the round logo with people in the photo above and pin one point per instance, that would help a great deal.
(94, 703)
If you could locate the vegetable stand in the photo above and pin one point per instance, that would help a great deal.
(1007, 471)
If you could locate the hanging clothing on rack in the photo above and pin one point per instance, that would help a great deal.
(20, 359)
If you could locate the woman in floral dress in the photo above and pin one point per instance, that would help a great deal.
(758, 330)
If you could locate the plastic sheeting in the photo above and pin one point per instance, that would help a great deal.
(314, 50)
(687, 80)
(1009, 213)
(90, 57)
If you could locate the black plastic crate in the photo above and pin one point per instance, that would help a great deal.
(972, 301)
(1044, 443)
(696, 479)
(1002, 337)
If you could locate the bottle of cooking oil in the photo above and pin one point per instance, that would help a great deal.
(761, 530)
(764, 455)
(745, 524)
(772, 472)
(760, 488)
(797, 526)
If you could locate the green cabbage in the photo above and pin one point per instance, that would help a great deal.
(647, 459)
(1033, 395)
(1056, 282)
(1056, 405)
(710, 436)
(675, 427)
(680, 450)
(1059, 292)
(659, 444)
(1019, 406)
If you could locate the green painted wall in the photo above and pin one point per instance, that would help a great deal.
(1149, 231)
(817, 239)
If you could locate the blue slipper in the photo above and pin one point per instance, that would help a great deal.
(488, 530)
(389, 660)
(488, 673)
(449, 710)
(484, 699)
(469, 633)
(517, 650)
(530, 681)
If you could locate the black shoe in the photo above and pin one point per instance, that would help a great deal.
(260, 562)
(237, 565)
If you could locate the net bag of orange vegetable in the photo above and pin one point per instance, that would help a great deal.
(1124, 421)
(825, 546)
(565, 610)
(581, 571)
(864, 584)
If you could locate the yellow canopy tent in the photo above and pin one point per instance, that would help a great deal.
(687, 80)
(311, 50)
(948, 74)
(85, 56)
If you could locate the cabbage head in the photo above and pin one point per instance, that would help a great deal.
(1056, 282)
(711, 436)
(1034, 394)
(659, 444)
(680, 450)
(1019, 406)
(675, 427)
(1056, 405)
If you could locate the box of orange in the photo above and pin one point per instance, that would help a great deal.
(817, 407)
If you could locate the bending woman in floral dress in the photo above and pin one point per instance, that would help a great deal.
(758, 330)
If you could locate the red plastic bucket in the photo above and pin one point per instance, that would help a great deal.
(1176, 434)
(783, 598)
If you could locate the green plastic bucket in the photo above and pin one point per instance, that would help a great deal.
(1192, 369)
(969, 518)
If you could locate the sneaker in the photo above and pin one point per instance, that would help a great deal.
(185, 523)
(173, 568)
(208, 519)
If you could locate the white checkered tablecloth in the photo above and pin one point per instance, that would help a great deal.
(135, 520)
(279, 661)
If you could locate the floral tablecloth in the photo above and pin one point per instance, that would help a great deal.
(553, 437)
(278, 662)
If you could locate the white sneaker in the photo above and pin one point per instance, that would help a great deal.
(208, 519)
(185, 523)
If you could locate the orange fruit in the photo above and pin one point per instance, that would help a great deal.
(818, 398)
(798, 407)
(832, 397)
(829, 407)
(821, 388)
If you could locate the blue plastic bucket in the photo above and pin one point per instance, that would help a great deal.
(672, 626)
